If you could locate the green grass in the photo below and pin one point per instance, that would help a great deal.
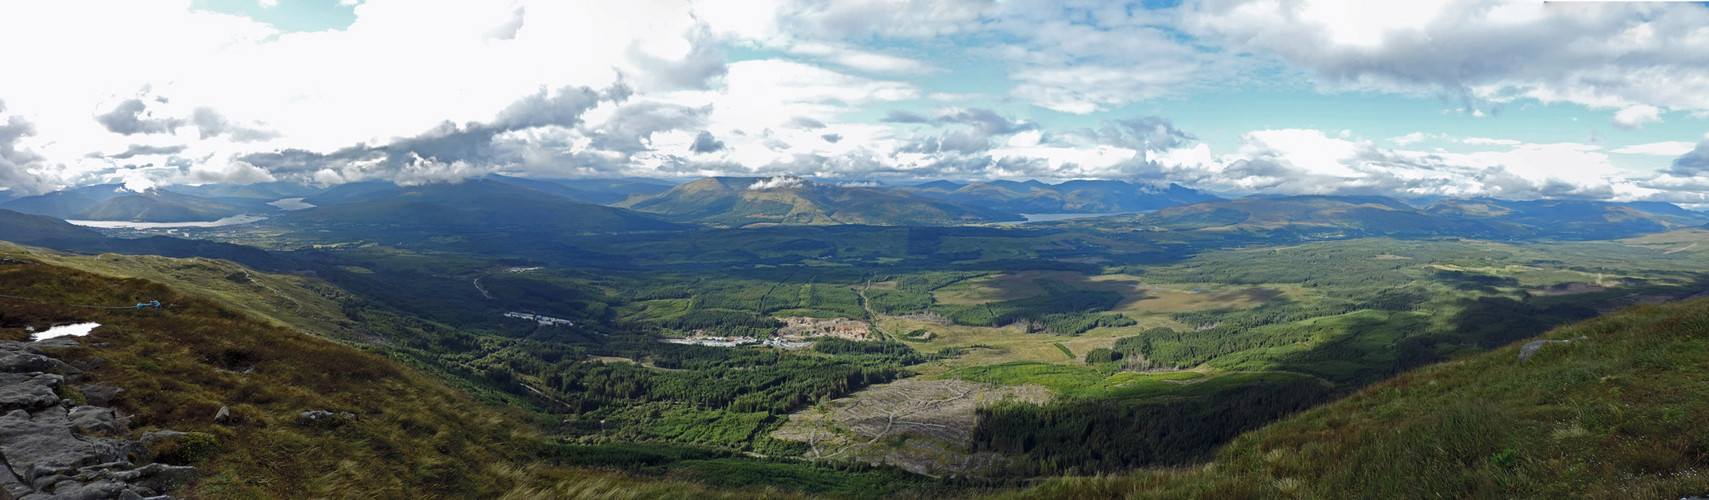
(1617, 415)
(1074, 381)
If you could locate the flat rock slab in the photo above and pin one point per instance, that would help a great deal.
(41, 445)
(28, 391)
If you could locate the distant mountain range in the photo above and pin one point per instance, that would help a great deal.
(472, 207)
(605, 206)
(597, 191)
(1575, 219)
(1081, 196)
(742, 201)
(1349, 216)
(49, 232)
(113, 202)
(1321, 215)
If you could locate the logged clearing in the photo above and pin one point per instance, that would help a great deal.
(996, 345)
(919, 425)
(1141, 297)
(1174, 299)
(1007, 286)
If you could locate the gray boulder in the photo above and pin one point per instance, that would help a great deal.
(24, 362)
(41, 445)
(325, 418)
(152, 437)
(28, 391)
(99, 394)
(97, 420)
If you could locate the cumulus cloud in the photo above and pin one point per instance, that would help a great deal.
(705, 143)
(778, 182)
(1665, 148)
(1693, 163)
(141, 150)
(209, 123)
(423, 95)
(806, 123)
(16, 163)
(1143, 133)
(1633, 57)
(1304, 161)
(132, 116)
(451, 152)
(1635, 116)
(901, 116)
(241, 87)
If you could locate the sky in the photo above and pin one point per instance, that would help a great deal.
(1515, 99)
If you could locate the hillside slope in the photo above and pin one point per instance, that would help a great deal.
(470, 208)
(1337, 216)
(740, 201)
(1078, 196)
(405, 436)
(114, 202)
(42, 231)
(1617, 413)
(1575, 219)
(157, 205)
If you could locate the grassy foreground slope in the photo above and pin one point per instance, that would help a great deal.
(411, 436)
(1618, 414)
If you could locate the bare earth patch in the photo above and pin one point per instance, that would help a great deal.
(920, 425)
(796, 327)
(1567, 289)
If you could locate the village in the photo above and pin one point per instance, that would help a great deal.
(795, 334)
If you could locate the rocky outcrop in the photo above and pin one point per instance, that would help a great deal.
(54, 448)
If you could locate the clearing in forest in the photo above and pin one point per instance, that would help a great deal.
(923, 426)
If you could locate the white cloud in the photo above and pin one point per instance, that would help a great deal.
(1667, 148)
(1412, 138)
(1295, 161)
(1489, 141)
(778, 182)
(1613, 55)
(1635, 116)
(427, 91)
(402, 68)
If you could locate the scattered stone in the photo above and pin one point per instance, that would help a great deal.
(97, 420)
(222, 416)
(90, 364)
(325, 418)
(1531, 348)
(151, 437)
(99, 394)
(57, 342)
